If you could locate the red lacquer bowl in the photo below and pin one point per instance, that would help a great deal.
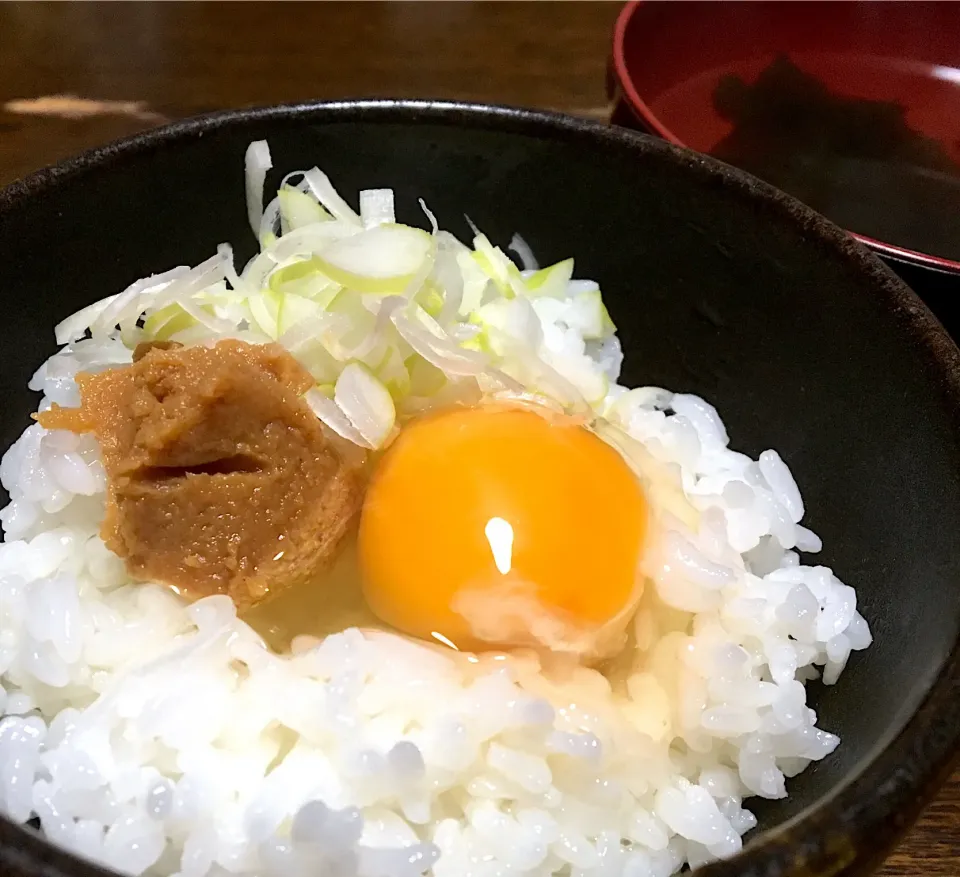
(880, 154)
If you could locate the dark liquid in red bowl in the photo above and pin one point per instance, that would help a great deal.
(857, 161)
(852, 107)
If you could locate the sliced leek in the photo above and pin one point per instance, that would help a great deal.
(380, 260)
(386, 317)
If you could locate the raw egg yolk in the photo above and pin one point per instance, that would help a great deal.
(471, 508)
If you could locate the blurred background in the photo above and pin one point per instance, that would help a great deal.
(135, 65)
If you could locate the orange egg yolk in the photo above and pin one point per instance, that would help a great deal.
(498, 526)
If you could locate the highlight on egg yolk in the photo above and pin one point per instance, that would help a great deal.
(472, 508)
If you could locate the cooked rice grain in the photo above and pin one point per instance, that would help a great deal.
(157, 737)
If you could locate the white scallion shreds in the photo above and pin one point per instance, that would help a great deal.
(376, 207)
(258, 162)
(338, 289)
(366, 403)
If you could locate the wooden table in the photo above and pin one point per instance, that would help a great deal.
(76, 75)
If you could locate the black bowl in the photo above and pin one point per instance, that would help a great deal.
(720, 285)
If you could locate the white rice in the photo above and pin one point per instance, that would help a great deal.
(164, 738)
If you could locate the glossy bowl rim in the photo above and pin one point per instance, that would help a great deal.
(642, 112)
(854, 824)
